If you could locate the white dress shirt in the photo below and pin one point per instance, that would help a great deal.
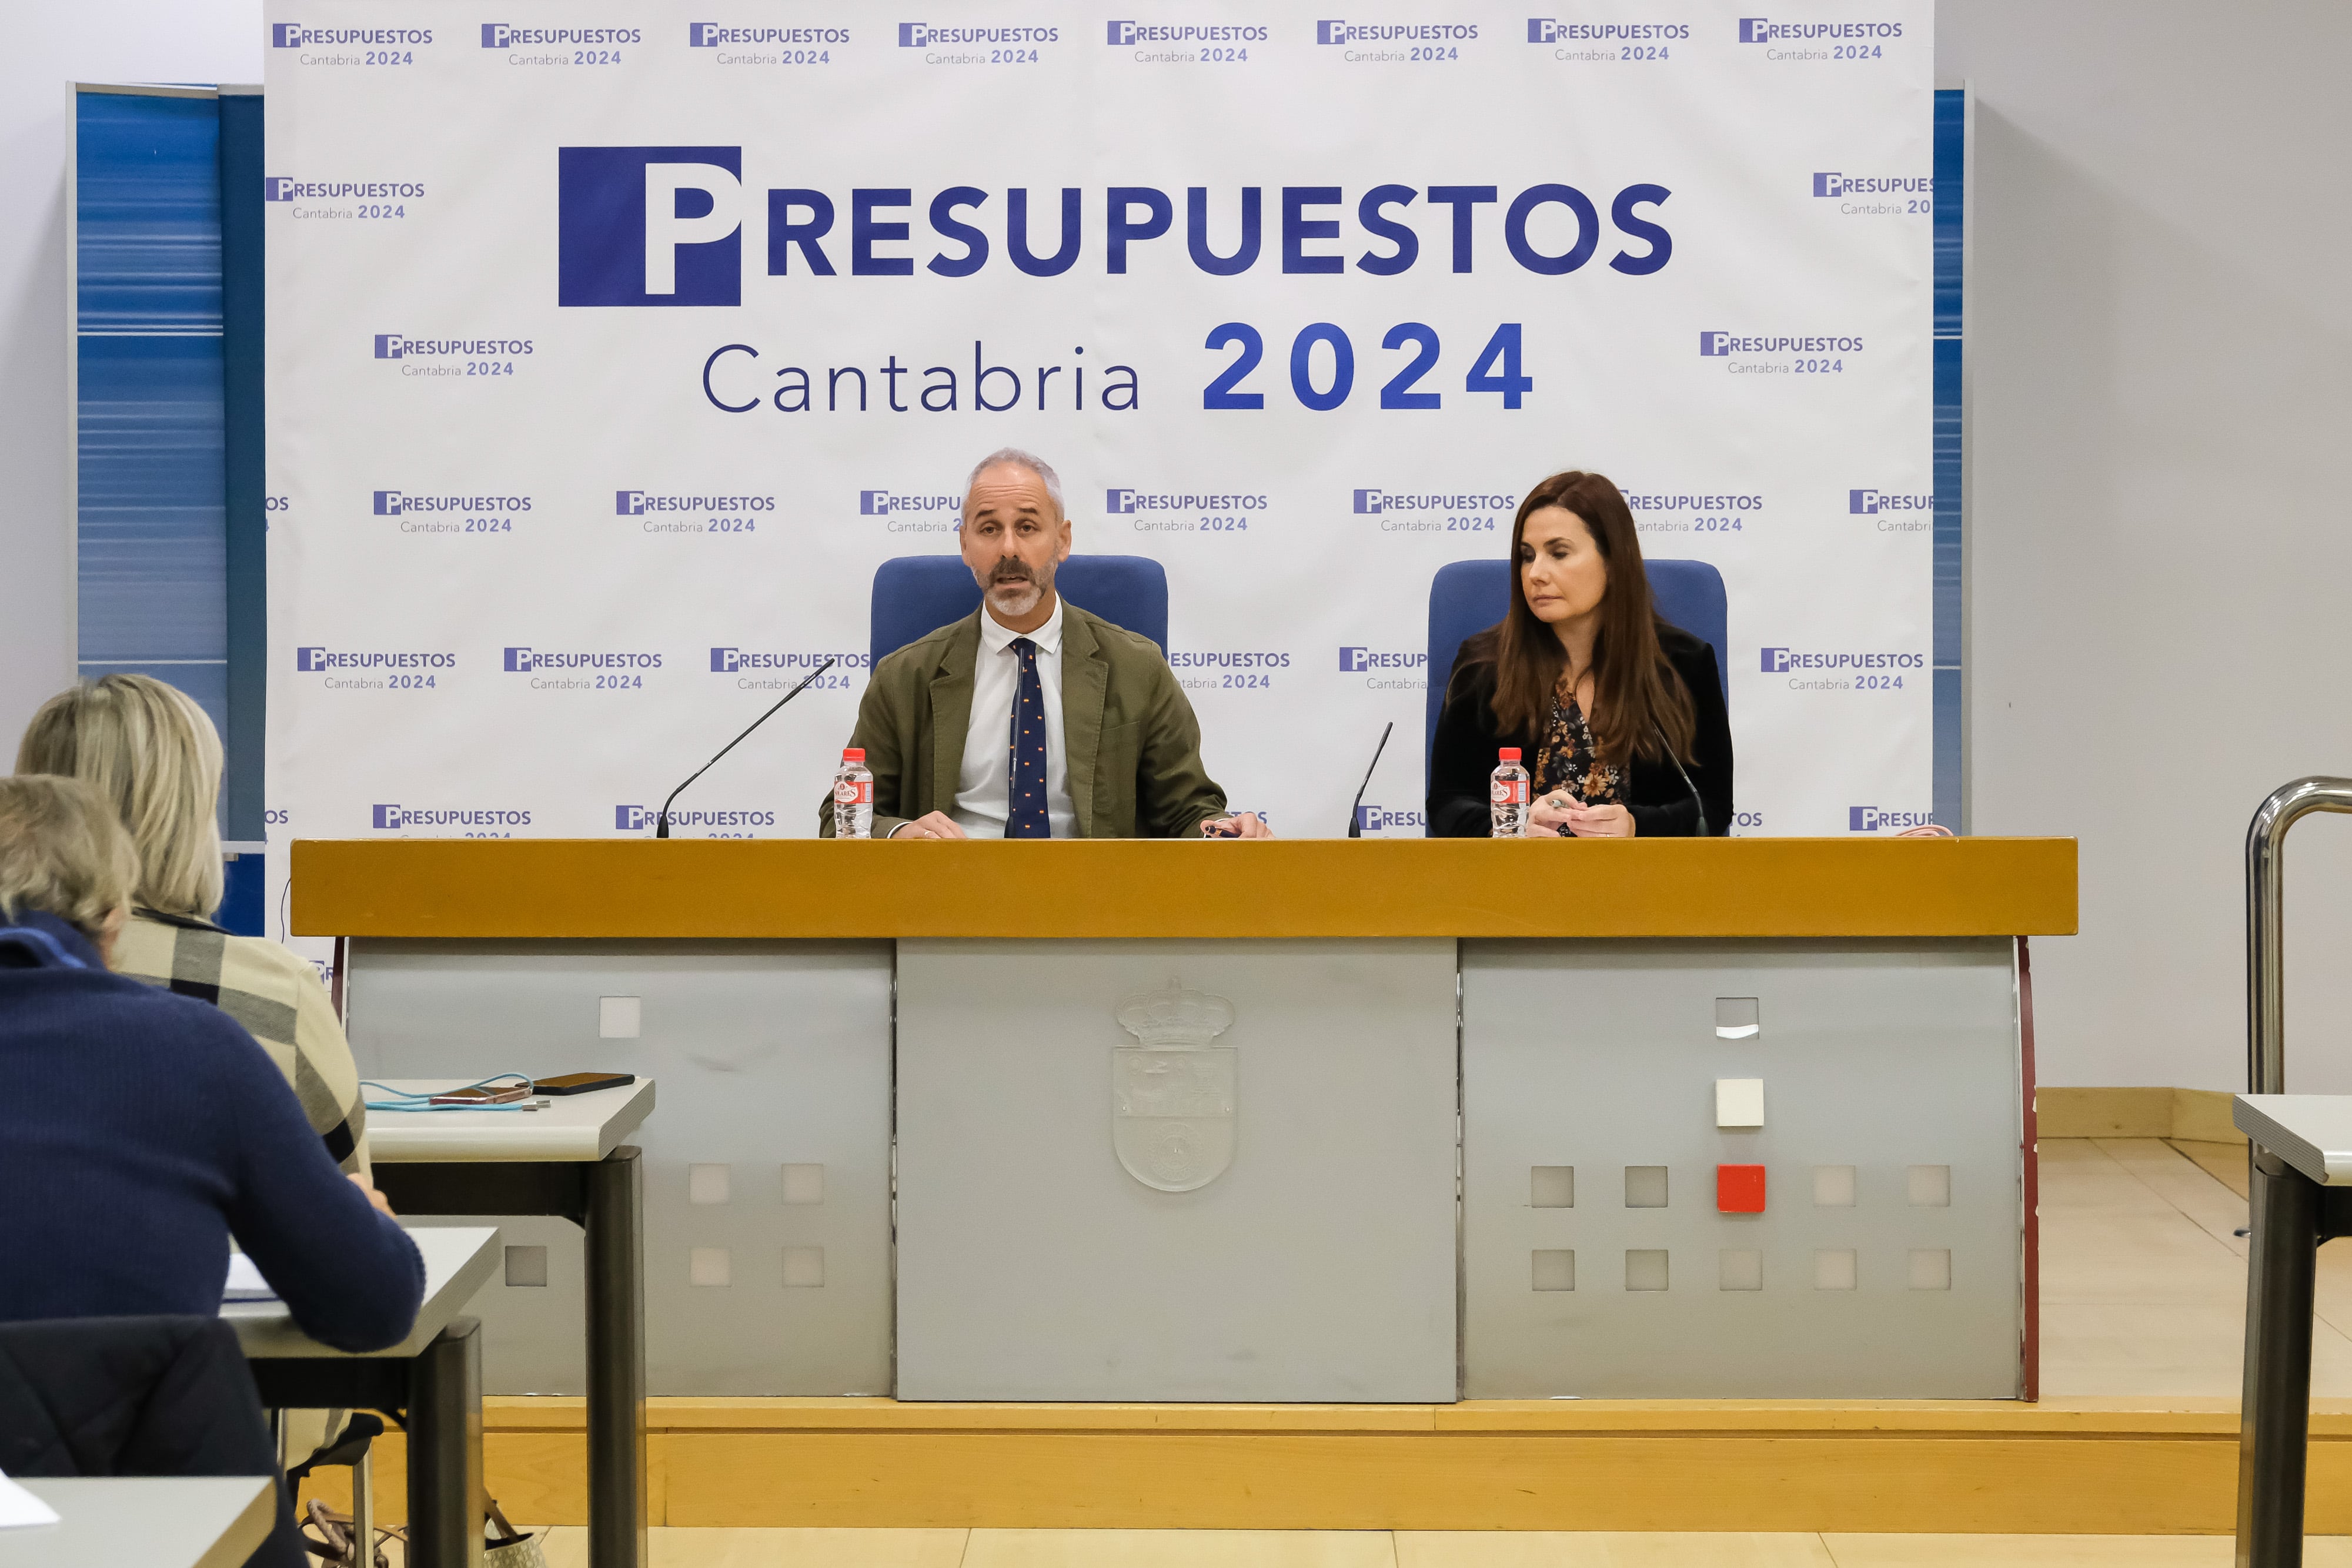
(984, 785)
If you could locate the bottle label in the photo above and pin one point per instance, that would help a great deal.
(1510, 792)
(853, 791)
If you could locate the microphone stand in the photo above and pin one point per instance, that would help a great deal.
(1677, 761)
(661, 824)
(1356, 811)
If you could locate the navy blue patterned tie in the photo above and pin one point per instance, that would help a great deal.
(1024, 813)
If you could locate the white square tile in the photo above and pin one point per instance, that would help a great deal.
(1645, 1269)
(1554, 1268)
(1739, 1102)
(1833, 1268)
(1645, 1187)
(707, 1184)
(803, 1267)
(1832, 1187)
(804, 1184)
(1930, 1186)
(709, 1266)
(1931, 1269)
(620, 1017)
(1551, 1187)
(1740, 1268)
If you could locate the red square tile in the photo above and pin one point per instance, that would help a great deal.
(1739, 1189)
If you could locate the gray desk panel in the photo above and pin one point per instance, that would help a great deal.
(1319, 1266)
(768, 1054)
(1601, 1056)
(144, 1521)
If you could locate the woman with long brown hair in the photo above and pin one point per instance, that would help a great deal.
(1585, 680)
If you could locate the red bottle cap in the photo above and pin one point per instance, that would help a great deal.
(853, 754)
(1510, 754)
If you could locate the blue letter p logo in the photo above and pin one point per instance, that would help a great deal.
(649, 225)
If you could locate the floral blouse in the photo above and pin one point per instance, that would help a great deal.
(1567, 762)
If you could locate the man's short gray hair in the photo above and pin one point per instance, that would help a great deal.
(1014, 457)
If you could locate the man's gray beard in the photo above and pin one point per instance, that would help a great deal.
(1015, 598)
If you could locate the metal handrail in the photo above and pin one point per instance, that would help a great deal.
(2266, 923)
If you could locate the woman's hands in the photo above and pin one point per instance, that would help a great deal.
(382, 1204)
(1561, 816)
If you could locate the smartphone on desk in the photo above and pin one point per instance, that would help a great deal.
(583, 1082)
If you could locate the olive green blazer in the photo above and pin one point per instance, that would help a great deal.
(1134, 746)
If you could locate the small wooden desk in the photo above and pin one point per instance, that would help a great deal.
(434, 1374)
(154, 1521)
(566, 1160)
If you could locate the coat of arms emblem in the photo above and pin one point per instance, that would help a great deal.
(1174, 1098)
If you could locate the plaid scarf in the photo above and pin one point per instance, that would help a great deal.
(277, 995)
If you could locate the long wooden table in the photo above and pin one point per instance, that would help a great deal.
(478, 889)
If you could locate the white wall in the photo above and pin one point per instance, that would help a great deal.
(2161, 310)
(2162, 320)
(51, 44)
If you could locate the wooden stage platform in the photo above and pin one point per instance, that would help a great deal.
(2062, 1466)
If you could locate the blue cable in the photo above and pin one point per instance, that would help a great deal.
(403, 1100)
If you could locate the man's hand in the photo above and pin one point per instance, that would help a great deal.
(932, 825)
(1240, 825)
(383, 1204)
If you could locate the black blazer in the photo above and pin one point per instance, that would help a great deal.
(1462, 762)
(138, 1396)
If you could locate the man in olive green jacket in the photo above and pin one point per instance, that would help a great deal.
(1112, 751)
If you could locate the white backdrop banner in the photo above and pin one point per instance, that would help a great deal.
(611, 348)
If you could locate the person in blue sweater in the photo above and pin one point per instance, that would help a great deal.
(141, 1130)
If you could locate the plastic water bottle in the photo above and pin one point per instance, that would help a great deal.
(852, 798)
(1509, 796)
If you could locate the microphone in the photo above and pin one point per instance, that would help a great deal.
(661, 824)
(1355, 812)
(1685, 778)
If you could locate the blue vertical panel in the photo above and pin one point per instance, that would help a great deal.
(153, 542)
(247, 476)
(1951, 119)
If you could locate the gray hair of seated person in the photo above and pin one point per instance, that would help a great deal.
(63, 852)
(1013, 457)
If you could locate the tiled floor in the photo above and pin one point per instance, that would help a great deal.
(2144, 1278)
(2143, 1296)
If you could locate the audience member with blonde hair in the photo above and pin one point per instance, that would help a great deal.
(152, 752)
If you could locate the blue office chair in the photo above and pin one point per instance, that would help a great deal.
(1468, 596)
(916, 594)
